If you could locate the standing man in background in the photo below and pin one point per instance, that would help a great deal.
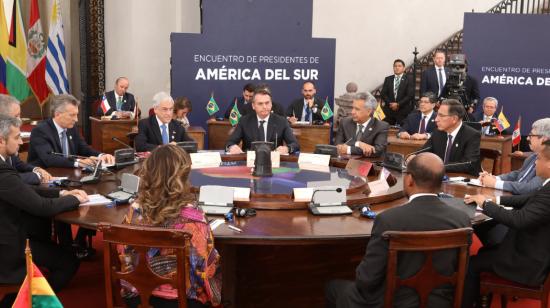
(397, 94)
(435, 77)
(121, 102)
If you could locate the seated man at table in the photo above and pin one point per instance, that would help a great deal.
(362, 134)
(30, 174)
(160, 128)
(424, 212)
(19, 203)
(421, 123)
(453, 141)
(523, 255)
(524, 180)
(121, 102)
(56, 142)
(262, 126)
(306, 108)
(488, 116)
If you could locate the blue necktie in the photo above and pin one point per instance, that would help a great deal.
(527, 172)
(64, 147)
(308, 114)
(164, 134)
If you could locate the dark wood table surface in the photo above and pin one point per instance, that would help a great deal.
(286, 251)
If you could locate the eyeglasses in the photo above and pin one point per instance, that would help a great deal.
(443, 115)
(533, 135)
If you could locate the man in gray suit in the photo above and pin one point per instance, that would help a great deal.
(424, 212)
(361, 134)
(524, 180)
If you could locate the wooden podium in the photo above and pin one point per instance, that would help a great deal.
(307, 135)
(104, 130)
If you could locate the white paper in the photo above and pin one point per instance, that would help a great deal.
(475, 182)
(378, 187)
(302, 123)
(205, 160)
(456, 179)
(216, 223)
(57, 178)
(315, 159)
(303, 194)
(275, 159)
(25, 134)
(96, 199)
(241, 194)
(313, 167)
(216, 195)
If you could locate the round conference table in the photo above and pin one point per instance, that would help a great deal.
(284, 255)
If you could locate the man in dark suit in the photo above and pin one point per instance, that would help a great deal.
(434, 78)
(420, 124)
(306, 108)
(30, 174)
(424, 212)
(262, 126)
(242, 101)
(523, 255)
(121, 103)
(160, 128)
(16, 212)
(397, 94)
(453, 141)
(362, 134)
(59, 134)
(487, 117)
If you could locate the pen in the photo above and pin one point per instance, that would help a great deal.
(234, 228)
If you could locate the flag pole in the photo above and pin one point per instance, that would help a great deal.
(28, 259)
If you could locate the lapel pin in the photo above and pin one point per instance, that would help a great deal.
(456, 145)
(71, 137)
(370, 128)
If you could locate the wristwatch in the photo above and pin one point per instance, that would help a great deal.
(485, 202)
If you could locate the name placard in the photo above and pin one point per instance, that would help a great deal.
(314, 159)
(205, 160)
(275, 159)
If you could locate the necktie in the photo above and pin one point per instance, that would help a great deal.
(526, 172)
(487, 129)
(422, 129)
(165, 139)
(358, 133)
(396, 83)
(261, 132)
(64, 145)
(440, 80)
(307, 117)
(449, 147)
(9, 162)
(119, 103)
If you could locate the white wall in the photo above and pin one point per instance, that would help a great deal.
(369, 36)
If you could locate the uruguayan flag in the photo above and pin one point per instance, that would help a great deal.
(56, 70)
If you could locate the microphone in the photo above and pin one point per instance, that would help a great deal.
(275, 129)
(458, 164)
(338, 190)
(417, 152)
(346, 143)
(68, 155)
(121, 142)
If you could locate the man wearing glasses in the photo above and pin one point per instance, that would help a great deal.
(456, 144)
(161, 128)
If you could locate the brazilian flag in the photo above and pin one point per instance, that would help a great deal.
(235, 115)
(212, 106)
(326, 112)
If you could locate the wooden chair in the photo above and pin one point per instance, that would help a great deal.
(491, 283)
(494, 155)
(427, 278)
(142, 277)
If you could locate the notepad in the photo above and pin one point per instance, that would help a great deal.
(96, 199)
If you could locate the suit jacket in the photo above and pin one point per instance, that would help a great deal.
(429, 83)
(128, 103)
(45, 139)
(375, 134)
(297, 106)
(25, 170)
(278, 131)
(465, 148)
(149, 135)
(15, 211)
(424, 213)
(405, 94)
(412, 123)
(530, 182)
(524, 254)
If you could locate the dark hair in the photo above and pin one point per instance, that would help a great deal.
(309, 81)
(426, 174)
(181, 103)
(431, 96)
(400, 61)
(440, 51)
(455, 107)
(262, 89)
(249, 87)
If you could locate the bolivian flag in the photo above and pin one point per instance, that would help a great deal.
(35, 291)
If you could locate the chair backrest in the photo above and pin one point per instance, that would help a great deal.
(142, 277)
(492, 154)
(427, 278)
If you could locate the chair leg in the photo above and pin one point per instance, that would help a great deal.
(503, 301)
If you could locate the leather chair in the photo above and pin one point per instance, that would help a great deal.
(427, 278)
(491, 283)
(494, 155)
(142, 277)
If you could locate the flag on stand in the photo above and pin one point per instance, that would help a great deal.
(212, 106)
(3, 49)
(36, 55)
(235, 115)
(35, 290)
(105, 107)
(56, 70)
(379, 113)
(16, 63)
(516, 135)
(501, 122)
(326, 112)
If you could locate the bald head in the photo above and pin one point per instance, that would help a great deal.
(427, 171)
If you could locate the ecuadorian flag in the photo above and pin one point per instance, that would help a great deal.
(37, 291)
